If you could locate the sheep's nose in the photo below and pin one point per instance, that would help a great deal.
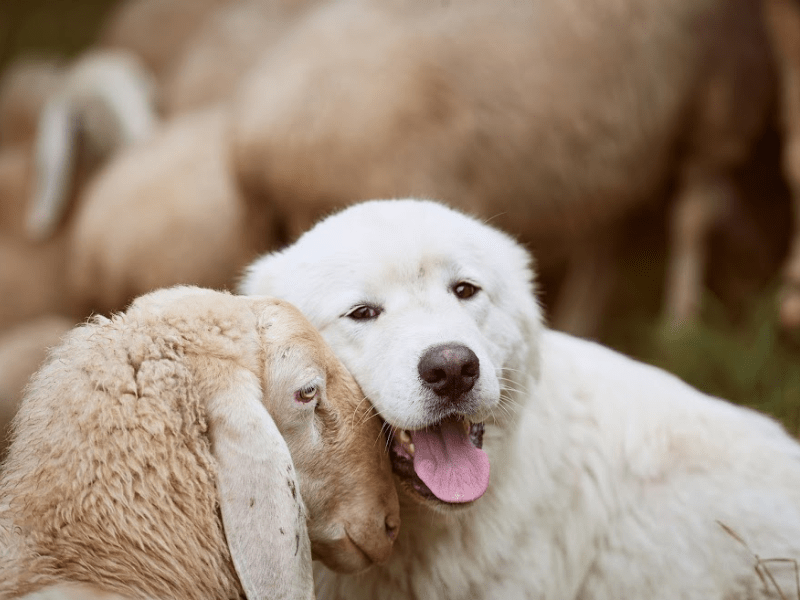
(450, 370)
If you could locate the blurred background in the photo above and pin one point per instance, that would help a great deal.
(646, 154)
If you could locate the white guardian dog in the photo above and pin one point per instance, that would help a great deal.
(531, 464)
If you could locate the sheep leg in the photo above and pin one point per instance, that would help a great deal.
(702, 197)
(783, 26)
(587, 287)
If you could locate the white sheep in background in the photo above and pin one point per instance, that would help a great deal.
(107, 97)
(168, 210)
(165, 211)
(552, 118)
(209, 67)
(156, 30)
(31, 273)
(140, 428)
(25, 86)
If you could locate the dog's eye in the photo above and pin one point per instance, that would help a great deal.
(465, 290)
(306, 393)
(363, 312)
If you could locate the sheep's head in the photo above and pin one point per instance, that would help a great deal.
(335, 439)
(273, 358)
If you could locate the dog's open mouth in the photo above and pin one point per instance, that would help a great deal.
(443, 461)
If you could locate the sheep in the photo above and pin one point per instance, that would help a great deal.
(22, 350)
(104, 96)
(554, 119)
(783, 20)
(15, 185)
(166, 211)
(31, 280)
(24, 88)
(31, 277)
(220, 53)
(107, 96)
(155, 30)
(180, 200)
(139, 428)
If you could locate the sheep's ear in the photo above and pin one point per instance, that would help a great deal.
(262, 512)
(55, 165)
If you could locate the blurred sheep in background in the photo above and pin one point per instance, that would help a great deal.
(165, 211)
(552, 119)
(106, 101)
(25, 86)
(559, 121)
(230, 41)
(99, 104)
(155, 30)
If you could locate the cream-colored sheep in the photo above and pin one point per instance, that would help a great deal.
(168, 211)
(141, 430)
(31, 275)
(164, 212)
(783, 20)
(31, 280)
(552, 118)
(103, 102)
(156, 30)
(15, 186)
(107, 101)
(25, 86)
(220, 53)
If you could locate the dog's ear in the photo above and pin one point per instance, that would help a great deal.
(262, 512)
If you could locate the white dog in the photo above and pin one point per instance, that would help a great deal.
(531, 464)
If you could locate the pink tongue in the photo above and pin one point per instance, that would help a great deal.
(447, 462)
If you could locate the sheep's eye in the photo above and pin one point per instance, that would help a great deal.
(306, 393)
(363, 312)
(465, 290)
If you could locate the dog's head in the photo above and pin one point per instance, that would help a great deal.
(434, 313)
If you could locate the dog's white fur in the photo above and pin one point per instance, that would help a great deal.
(610, 479)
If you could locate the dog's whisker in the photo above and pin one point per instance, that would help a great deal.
(504, 378)
(370, 414)
(511, 370)
(385, 432)
(355, 410)
(517, 382)
(507, 409)
(514, 386)
(495, 216)
(508, 406)
(508, 390)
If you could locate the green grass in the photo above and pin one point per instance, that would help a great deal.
(747, 361)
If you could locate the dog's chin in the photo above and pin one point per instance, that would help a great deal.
(427, 500)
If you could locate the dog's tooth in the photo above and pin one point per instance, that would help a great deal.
(411, 448)
(405, 437)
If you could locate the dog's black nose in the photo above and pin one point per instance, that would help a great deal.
(450, 370)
